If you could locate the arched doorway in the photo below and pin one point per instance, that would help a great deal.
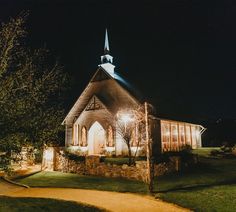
(96, 139)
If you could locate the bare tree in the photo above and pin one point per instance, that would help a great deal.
(126, 126)
(127, 121)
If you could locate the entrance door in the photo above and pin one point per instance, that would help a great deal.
(96, 139)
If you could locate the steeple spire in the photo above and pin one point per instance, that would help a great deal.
(106, 45)
(107, 59)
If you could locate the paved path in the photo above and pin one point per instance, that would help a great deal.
(111, 201)
(6, 188)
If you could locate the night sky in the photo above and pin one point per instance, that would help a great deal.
(180, 54)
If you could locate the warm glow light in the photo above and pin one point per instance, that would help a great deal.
(167, 134)
(126, 118)
(197, 133)
(175, 133)
(49, 154)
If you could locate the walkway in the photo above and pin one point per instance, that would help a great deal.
(6, 188)
(111, 201)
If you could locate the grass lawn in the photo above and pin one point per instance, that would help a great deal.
(205, 152)
(209, 172)
(210, 186)
(67, 180)
(13, 204)
(216, 198)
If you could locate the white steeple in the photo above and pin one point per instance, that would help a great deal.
(107, 59)
(106, 46)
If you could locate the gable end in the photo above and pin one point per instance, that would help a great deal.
(94, 104)
(100, 75)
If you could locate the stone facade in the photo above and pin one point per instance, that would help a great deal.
(93, 166)
(25, 158)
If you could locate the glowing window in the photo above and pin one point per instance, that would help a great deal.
(182, 135)
(84, 136)
(174, 137)
(165, 129)
(188, 135)
(75, 134)
(71, 135)
(110, 137)
(194, 136)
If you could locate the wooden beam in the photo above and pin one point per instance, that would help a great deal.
(185, 135)
(191, 138)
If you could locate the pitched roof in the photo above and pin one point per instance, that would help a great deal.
(113, 91)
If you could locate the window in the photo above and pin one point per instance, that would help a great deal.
(84, 136)
(174, 137)
(165, 130)
(194, 136)
(188, 134)
(110, 137)
(181, 135)
(75, 134)
(69, 135)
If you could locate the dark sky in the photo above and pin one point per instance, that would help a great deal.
(181, 53)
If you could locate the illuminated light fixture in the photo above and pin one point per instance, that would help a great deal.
(48, 154)
(125, 118)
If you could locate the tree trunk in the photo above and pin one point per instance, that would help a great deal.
(42, 162)
(136, 152)
(129, 154)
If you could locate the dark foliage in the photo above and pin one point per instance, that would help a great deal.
(32, 86)
(226, 151)
(185, 154)
(74, 157)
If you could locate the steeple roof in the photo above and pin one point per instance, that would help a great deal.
(106, 45)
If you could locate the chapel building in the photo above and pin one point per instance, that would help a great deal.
(91, 124)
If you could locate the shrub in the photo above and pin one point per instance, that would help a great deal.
(234, 150)
(140, 158)
(109, 153)
(185, 154)
(226, 147)
(164, 157)
(214, 152)
(116, 160)
(225, 152)
(74, 157)
(186, 148)
(119, 160)
(102, 159)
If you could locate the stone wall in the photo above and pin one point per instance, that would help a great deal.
(23, 159)
(93, 166)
